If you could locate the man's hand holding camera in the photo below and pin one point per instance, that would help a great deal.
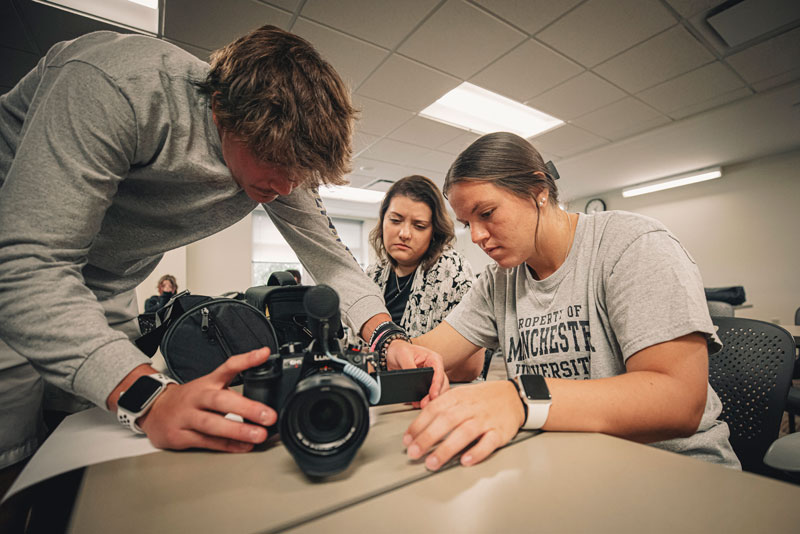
(192, 415)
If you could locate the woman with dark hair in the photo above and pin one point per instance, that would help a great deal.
(421, 275)
(601, 319)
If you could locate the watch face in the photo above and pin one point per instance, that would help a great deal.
(595, 205)
(534, 387)
(135, 398)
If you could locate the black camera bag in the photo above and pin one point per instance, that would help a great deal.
(198, 333)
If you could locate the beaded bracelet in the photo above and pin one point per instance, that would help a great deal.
(383, 343)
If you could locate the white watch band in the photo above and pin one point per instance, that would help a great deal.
(537, 414)
(537, 410)
(128, 418)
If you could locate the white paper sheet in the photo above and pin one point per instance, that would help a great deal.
(85, 438)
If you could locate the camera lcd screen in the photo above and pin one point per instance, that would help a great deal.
(535, 387)
(139, 393)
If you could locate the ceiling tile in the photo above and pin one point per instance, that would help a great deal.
(526, 71)
(395, 152)
(776, 81)
(665, 56)
(689, 8)
(719, 100)
(699, 85)
(768, 59)
(460, 39)
(196, 51)
(426, 132)
(359, 180)
(599, 29)
(577, 96)
(435, 160)
(407, 84)
(530, 15)
(362, 141)
(289, 5)
(212, 24)
(567, 140)
(383, 22)
(378, 169)
(621, 119)
(352, 59)
(378, 118)
(457, 145)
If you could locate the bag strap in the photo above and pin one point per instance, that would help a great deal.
(174, 308)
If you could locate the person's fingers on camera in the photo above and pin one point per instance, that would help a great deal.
(461, 436)
(191, 439)
(217, 426)
(489, 442)
(234, 365)
(225, 401)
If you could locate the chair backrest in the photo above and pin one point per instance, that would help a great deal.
(797, 316)
(720, 309)
(752, 375)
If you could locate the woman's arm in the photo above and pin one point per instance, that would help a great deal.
(661, 396)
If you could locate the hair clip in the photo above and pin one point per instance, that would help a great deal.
(551, 170)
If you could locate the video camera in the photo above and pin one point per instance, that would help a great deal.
(322, 393)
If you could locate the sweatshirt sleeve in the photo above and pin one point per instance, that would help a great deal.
(79, 137)
(304, 223)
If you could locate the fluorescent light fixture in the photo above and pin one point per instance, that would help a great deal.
(352, 194)
(473, 108)
(152, 4)
(673, 181)
(133, 14)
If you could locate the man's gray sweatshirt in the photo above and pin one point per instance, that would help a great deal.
(109, 158)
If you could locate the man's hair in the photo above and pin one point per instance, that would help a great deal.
(419, 189)
(272, 89)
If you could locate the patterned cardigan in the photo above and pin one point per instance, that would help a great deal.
(434, 292)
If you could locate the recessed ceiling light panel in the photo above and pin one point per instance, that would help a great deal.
(473, 108)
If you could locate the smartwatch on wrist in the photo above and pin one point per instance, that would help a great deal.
(536, 397)
(135, 401)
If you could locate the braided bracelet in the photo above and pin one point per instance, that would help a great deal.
(378, 331)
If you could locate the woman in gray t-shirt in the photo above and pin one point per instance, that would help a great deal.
(609, 309)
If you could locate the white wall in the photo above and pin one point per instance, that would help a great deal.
(223, 262)
(742, 229)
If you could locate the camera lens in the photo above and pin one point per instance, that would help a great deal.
(324, 422)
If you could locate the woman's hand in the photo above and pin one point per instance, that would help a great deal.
(404, 355)
(490, 413)
(193, 414)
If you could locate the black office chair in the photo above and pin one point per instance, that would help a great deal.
(752, 375)
(797, 317)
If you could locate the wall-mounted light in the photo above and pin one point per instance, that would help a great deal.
(673, 181)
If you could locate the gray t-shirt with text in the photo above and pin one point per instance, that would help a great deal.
(627, 284)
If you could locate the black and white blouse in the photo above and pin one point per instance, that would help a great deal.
(433, 292)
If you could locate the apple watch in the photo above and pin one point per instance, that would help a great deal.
(536, 397)
(135, 401)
